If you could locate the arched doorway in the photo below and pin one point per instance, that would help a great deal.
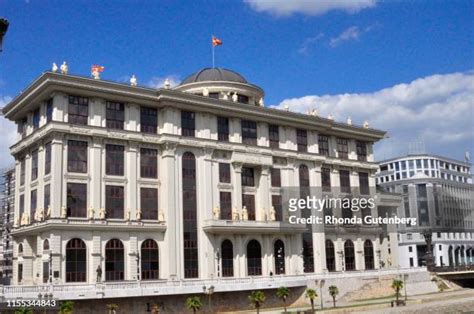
(227, 250)
(149, 260)
(114, 260)
(254, 258)
(279, 255)
(76, 261)
(368, 254)
(349, 255)
(330, 256)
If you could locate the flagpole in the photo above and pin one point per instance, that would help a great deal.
(213, 65)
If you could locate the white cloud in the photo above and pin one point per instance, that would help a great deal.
(308, 42)
(159, 81)
(7, 136)
(437, 109)
(308, 7)
(351, 33)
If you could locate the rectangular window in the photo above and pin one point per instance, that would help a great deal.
(361, 148)
(36, 118)
(345, 181)
(342, 148)
(364, 183)
(22, 204)
(223, 129)
(276, 177)
(149, 203)
(326, 179)
(214, 95)
(114, 201)
(148, 120)
(242, 99)
(302, 140)
(34, 203)
(22, 124)
(224, 173)
(47, 196)
(410, 249)
(115, 115)
(226, 205)
(22, 171)
(323, 143)
(77, 156)
(49, 110)
(77, 200)
(45, 272)
(114, 160)
(20, 272)
(274, 136)
(47, 158)
(34, 165)
(148, 163)
(248, 178)
(248, 201)
(249, 132)
(188, 123)
(78, 110)
(276, 203)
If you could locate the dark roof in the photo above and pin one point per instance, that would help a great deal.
(214, 74)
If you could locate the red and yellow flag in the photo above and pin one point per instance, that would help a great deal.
(216, 41)
(97, 68)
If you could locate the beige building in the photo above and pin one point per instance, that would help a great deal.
(121, 183)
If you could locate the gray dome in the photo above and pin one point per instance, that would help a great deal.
(214, 74)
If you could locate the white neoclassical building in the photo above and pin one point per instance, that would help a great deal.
(120, 183)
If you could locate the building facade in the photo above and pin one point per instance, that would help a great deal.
(119, 183)
(7, 210)
(438, 191)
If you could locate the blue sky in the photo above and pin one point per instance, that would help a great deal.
(414, 58)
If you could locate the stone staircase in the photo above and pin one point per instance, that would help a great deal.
(372, 289)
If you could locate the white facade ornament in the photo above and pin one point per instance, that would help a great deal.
(216, 213)
(261, 103)
(139, 214)
(272, 214)
(161, 216)
(36, 216)
(366, 124)
(91, 213)
(16, 223)
(54, 67)
(64, 68)
(225, 96)
(235, 214)
(167, 84)
(23, 219)
(245, 214)
(133, 80)
(349, 120)
(330, 117)
(234, 97)
(63, 212)
(41, 214)
(127, 215)
(48, 212)
(102, 213)
(315, 112)
(205, 92)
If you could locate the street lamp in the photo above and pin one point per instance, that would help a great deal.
(3, 30)
(208, 291)
(321, 285)
(405, 276)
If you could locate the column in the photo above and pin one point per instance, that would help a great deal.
(95, 189)
(96, 258)
(263, 195)
(132, 166)
(168, 203)
(237, 183)
(58, 168)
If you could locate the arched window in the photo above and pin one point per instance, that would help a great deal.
(114, 260)
(279, 255)
(308, 257)
(20, 248)
(227, 250)
(330, 256)
(450, 256)
(254, 258)
(349, 255)
(149, 260)
(76, 261)
(368, 254)
(46, 245)
(189, 216)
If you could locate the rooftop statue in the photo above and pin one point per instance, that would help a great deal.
(349, 120)
(205, 92)
(133, 80)
(64, 68)
(330, 117)
(54, 68)
(366, 124)
(167, 84)
(261, 103)
(234, 97)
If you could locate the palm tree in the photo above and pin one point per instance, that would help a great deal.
(257, 298)
(24, 310)
(194, 303)
(311, 295)
(112, 308)
(66, 307)
(397, 285)
(283, 293)
(333, 292)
